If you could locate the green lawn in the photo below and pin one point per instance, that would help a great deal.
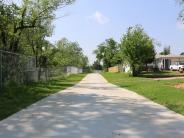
(14, 98)
(162, 92)
(162, 74)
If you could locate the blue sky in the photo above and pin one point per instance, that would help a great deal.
(90, 22)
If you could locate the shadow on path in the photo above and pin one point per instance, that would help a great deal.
(94, 110)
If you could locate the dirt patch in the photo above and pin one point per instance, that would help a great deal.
(180, 86)
(169, 78)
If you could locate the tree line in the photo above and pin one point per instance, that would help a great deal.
(25, 28)
(135, 49)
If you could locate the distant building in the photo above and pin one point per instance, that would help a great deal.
(163, 62)
(73, 70)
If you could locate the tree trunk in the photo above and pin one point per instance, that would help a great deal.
(146, 67)
(39, 73)
(134, 71)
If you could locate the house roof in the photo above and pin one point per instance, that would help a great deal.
(170, 56)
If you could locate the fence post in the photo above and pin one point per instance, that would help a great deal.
(1, 69)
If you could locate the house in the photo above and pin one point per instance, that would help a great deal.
(163, 62)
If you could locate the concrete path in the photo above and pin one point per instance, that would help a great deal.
(94, 109)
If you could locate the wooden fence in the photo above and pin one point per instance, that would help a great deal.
(114, 69)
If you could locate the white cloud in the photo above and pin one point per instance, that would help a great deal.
(180, 25)
(99, 18)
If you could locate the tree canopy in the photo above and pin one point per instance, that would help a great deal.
(182, 53)
(33, 16)
(166, 51)
(108, 53)
(67, 53)
(96, 65)
(137, 48)
(181, 14)
(24, 29)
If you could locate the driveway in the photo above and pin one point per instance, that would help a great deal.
(94, 109)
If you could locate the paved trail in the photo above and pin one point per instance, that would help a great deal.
(94, 109)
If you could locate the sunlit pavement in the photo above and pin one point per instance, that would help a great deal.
(94, 109)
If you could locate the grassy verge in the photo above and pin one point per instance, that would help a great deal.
(14, 98)
(162, 92)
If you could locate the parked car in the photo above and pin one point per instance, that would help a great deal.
(179, 67)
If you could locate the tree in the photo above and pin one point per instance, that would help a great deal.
(137, 48)
(68, 53)
(32, 14)
(96, 65)
(181, 14)
(108, 53)
(166, 51)
(24, 28)
(182, 53)
(33, 42)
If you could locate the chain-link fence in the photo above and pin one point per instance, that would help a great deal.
(22, 69)
(13, 67)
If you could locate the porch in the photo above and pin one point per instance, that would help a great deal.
(163, 62)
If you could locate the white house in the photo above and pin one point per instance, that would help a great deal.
(163, 62)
